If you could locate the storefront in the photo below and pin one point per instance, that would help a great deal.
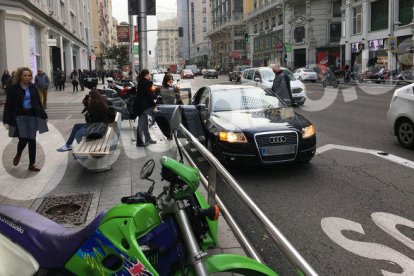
(268, 48)
(404, 54)
(326, 57)
(377, 54)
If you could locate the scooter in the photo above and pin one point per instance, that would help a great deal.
(330, 79)
(146, 234)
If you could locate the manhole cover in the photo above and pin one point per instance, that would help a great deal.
(71, 209)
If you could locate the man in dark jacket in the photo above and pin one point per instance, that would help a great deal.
(281, 84)
(42, 83)
(144, 106)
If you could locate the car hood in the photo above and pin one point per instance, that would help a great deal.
(260, 120)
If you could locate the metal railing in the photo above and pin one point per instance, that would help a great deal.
(217, 168)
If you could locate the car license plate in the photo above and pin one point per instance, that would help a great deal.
(278, 150)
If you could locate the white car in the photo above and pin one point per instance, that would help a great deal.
(264, 76)
(304, 74)
(401, 115)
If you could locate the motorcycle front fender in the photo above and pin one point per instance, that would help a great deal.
(236, 264)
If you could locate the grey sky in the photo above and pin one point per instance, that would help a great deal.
(165, 9)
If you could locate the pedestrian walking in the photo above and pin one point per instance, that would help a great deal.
(57, 74)
(75, 80)
(81, 76)
(24, 115)
(4, 78)
(62, 81)
(281, 84)
(144, 106)
(42, 83)
(103, 76)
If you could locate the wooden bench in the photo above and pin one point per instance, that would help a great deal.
(93, 154)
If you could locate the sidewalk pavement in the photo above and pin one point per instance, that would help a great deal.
(61, 175)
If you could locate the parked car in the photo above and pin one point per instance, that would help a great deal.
(264, 76)
(211, 73)
(401, 115)
(304, 74)
(238, 72)
(243, 124)
(187, 74)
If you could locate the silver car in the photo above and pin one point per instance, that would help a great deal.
(264, 76)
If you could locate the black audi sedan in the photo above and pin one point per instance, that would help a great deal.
(246, 125)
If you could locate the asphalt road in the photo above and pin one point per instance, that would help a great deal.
(349, 211)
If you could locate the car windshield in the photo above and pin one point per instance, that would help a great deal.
(268, 75)
(249, 98)
(289, 74)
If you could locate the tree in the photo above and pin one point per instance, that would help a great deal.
(120, 54)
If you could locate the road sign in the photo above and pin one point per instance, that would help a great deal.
(288, 47)
(392, 44)
(52, 42)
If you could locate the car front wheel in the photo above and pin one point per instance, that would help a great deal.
(405, 133)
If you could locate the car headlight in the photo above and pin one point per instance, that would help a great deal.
(308, 132)
(232, 137)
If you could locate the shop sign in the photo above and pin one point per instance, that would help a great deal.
(51, 42)
(279, 47)
(122, 33)
(392, 44)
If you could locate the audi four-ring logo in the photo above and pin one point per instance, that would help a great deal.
(277, 139)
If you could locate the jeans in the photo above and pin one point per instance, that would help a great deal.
(142, 129)
(78, 131)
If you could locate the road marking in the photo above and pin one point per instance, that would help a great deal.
(377, 153)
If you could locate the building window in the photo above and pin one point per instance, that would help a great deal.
(335, 32)
(405, 13)
(204, 10)
(280, 19)
(273, 22)
(255, 28)
(336, 8)
(267, 24)
(204, 19)
(204, 29)
(379, 15)
(299, 10)
(299, 34)
(357, 20)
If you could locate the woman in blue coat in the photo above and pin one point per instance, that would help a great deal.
(24, 115)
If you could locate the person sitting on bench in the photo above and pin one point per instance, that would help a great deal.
(97, 111)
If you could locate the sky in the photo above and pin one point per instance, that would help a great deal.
(165, 9)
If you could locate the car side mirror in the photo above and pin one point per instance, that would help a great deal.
(257, 79)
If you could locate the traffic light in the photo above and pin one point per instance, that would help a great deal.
(246, 37)
(180, 32)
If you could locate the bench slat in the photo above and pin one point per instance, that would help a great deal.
(98, 147)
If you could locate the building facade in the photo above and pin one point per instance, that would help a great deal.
(167, 43)
(227, 35)
(44, 34)
(298, 33)
(378, 33)
(183, 42)
(103, 32)
(199, 18)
